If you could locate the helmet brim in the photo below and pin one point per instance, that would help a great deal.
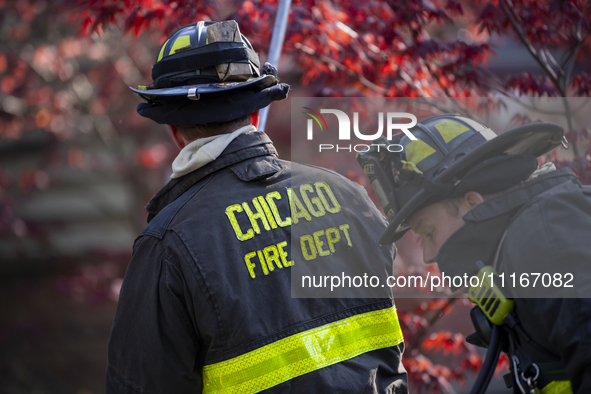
(533, 139)
(191, 91)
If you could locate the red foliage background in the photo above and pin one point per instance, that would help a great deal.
(67, 117)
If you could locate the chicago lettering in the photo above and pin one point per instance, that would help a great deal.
(306, 202)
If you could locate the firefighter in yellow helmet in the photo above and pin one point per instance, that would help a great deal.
(479, 201)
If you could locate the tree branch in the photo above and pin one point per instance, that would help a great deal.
(360, 78)
(525, 41)
(533, 107)
(561, 87)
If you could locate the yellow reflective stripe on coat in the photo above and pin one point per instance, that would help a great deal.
(302, 353)
(557, 387)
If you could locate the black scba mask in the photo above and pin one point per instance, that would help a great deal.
(450, 156)
(208, 72)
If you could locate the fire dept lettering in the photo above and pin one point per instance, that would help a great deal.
(270, 257)
(306, 202)
(313, 245)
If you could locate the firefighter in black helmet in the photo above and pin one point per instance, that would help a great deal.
(474, 196)
(206, 302)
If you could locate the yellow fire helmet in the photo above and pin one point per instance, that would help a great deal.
(452, 155)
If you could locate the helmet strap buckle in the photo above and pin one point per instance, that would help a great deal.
(193, 95)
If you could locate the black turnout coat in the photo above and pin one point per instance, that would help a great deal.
(545, 225)
(206, 303)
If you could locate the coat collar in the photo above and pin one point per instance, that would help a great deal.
(484, 225)
(244, 155)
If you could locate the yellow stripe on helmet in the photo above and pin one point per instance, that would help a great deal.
(450, 129)
(161, 54)
(181, 42)
(417, 151)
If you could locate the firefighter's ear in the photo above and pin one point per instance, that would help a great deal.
(177, 137)
(473, 199)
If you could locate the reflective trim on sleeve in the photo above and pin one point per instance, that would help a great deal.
(302, 353)
(557, 387)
